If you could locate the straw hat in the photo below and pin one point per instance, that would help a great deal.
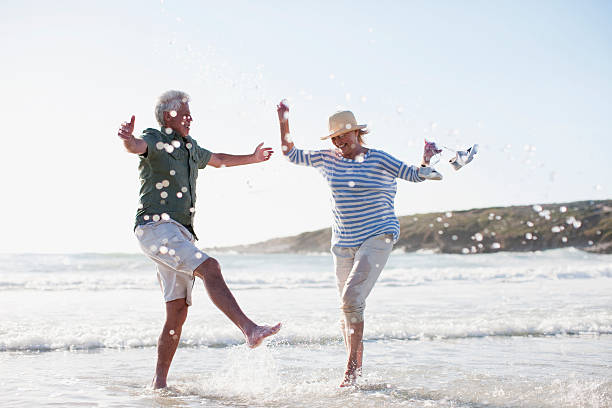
(342, 122)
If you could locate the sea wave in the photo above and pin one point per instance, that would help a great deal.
(54, 340)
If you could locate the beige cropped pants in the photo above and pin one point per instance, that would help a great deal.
(357, 269)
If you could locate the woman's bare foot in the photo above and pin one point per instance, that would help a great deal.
(350, 378)
(256, 336)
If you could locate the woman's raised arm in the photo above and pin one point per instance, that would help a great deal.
(283, 119)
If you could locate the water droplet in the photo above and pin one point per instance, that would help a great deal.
(446, 224)
(171, 332)
(184, 189)
(153, 248)
(353, 320)
(168, 130)
(163, 250)
(590, 242)
(163, 194)
(284, 148)
(564, 239)
(146, 218)
(448, 214)
(140, 206)
(563, 209)
(192, 210)
(388, 240)
(360, 158)
(577, 224)
(171, 252)
(478, 236)
(348, 126)
(498, 217)
(188, 145)
(169, 148)
(598, 232)
(172, 172)
(465, 251)
(156, 218)
(439, 219)
(555, 229)
(173, 113)
(179, 194)
(198, 255)
(165, 217)
(440, 232)
(351, 184)
(528, 235)
(454, 237)
(165, 183)
(159, 186)
(537, 208)
(176, 144)
(159, 145)
(530, 224)
(139, 232)
(495, 245)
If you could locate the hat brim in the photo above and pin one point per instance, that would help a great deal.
(343, 131)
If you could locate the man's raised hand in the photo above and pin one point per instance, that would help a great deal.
(126, 130)
(132, 145)
(262, 154)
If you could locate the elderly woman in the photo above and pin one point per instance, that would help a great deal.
(363, 187)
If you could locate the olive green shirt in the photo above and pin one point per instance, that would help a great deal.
(168, 172)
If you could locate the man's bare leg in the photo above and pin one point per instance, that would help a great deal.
(210, 273)
(176, 313)
(355, 353)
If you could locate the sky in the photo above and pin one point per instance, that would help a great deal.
(530, 82)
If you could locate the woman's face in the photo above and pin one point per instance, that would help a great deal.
(348, 144)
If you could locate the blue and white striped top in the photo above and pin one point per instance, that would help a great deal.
(363, 191)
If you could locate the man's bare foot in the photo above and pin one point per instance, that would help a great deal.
(157, 383)
(259, 333)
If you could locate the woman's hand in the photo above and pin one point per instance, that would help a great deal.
(429, 151)
(283, 111)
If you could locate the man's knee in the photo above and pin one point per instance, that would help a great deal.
(208, 267)
(176, 312)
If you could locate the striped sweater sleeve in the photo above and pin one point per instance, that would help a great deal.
(305, 157)
(402, 170)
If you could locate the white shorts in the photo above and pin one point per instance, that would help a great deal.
(171, 246)
(357, 269)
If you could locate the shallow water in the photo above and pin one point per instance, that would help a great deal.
(500, 330)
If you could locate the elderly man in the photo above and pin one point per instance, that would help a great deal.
(169, 163)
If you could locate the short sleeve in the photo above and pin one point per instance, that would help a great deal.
(201, 155)
(306, 157)
(155, 144)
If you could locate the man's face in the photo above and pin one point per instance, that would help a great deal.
(179, 120)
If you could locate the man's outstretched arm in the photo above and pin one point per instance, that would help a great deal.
(228, 160)
(132, 145)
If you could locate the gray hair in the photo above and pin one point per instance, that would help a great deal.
(169, 101)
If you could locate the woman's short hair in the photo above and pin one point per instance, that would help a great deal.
(360, 138)
(169, 101)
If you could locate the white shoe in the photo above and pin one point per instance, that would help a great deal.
(429, 173)
(463, 157)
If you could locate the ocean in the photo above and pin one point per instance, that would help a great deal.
(486, 330)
